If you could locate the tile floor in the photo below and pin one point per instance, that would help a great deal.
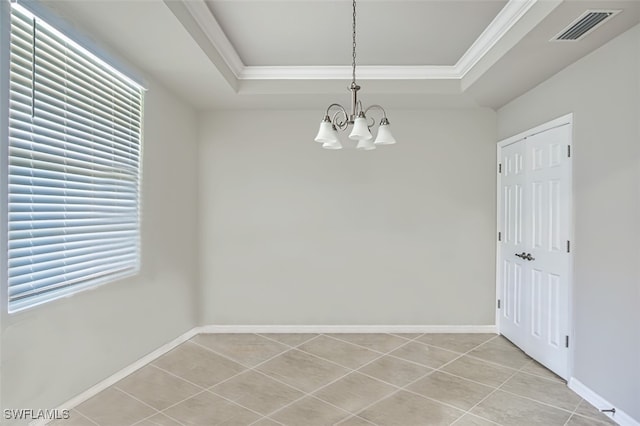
(339, 379)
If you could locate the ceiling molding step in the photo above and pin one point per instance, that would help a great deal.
(326, 87)
(365, 72)
(536, 13)
(209, 25)
(227, 56)
(510, 14)
(197, 32)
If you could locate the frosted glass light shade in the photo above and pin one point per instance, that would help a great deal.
(360, 129)
(332, 145)
(384, 136)
(366, 144)
(327, 133)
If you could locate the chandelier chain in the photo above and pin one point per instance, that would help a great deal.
(353, 63)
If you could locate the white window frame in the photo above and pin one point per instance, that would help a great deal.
(119, 66)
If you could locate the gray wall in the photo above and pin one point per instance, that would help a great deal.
(294, 234)
(603, 92)
(55, 351)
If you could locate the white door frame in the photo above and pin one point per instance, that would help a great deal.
(560, 121)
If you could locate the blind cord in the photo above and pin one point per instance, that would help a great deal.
(33, 73)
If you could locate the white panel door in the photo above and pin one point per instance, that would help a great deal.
(549, 193)
(513, 183)
(535, 262)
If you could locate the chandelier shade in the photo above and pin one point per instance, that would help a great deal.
(327, 133)
(360, 130)
(332, 145)
(356, 117)
(384, 136)
(366, 144)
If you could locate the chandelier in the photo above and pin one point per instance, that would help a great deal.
(341, 119)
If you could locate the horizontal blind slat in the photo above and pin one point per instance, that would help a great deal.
(74, 166)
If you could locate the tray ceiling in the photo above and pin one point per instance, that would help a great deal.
(289, 53)
(318, 33)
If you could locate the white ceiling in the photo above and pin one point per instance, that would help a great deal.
(296, 53)
(318, 32)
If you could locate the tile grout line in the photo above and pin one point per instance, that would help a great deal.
(493, 392)
(266, 336)
(572, 414)
(468, 412)
(382, 354)
(254, 368)
(268, 418)
(535, 400)
(208, 389)
(139, 400)
(404, 388)
(180, 402)
(85, 416)
(351, 370)
(130, 396)
(610, 420)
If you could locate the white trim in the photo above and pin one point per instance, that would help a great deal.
(116, 377)
(600, 403)
(513, 11)
(365, 72)
(510, 14)
(265, 329)
(207, 22)
(560, 121)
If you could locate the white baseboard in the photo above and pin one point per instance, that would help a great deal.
(600, 403)
(94, 390)
(265, 329)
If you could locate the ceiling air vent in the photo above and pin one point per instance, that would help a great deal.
(585, 23)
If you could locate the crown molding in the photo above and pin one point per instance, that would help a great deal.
(203, 16)
(512, 12)
(365, 72)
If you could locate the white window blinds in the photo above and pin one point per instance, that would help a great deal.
(74, 166)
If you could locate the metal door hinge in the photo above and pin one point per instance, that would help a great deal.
(568, 150)
(568, 246)
(500, 168)
(566, 341)
(499, 236)
(498, 303)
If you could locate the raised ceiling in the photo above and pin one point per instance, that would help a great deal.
(312, 33)
(297, 53)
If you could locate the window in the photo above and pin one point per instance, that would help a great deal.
(74, 151)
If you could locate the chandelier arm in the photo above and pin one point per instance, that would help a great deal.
(376, 106)
(338, 106)
(340, 124)
(373, 122)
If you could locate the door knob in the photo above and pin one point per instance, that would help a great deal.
(522, 255)
(528, 257)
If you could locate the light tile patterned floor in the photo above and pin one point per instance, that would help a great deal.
(339, 379)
